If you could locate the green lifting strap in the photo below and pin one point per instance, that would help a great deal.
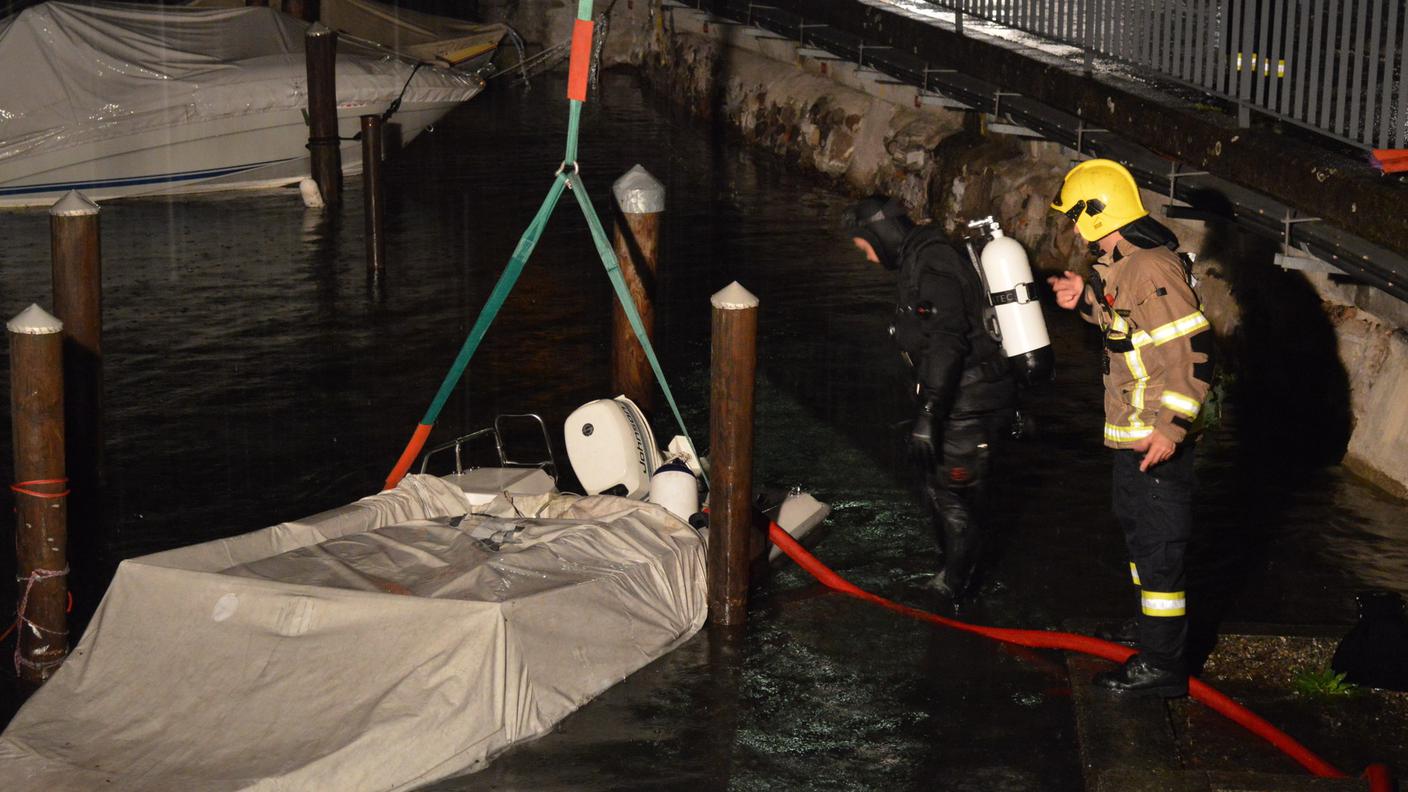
(567, 178)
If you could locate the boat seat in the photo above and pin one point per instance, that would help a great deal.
(482, 485)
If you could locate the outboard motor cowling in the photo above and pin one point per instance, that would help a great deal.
(611, 447)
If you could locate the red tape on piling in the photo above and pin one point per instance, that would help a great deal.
(1377, 775)
(23, 488)
(579, 67)
(409, 455)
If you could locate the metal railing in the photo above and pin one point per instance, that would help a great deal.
(1335, 66)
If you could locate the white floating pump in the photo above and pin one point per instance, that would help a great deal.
(1007, 276)
(611, 447)
(675, 487)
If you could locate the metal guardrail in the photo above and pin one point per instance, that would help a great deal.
(1339, 67)
(892, 50)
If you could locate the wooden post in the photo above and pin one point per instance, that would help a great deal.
(641, 200)
(733, 369)
(77, 276)
(306, 10)
(41, 537)
(320, 51)
(373, 203)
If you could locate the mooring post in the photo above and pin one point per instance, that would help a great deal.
(733, 369)
(77, 277)
(373, 205)
(41, 505)
(320, 51)
(641, 200)
(306, 10)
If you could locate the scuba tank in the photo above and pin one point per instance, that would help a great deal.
(1007, 278)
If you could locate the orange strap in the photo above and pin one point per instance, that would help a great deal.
(408, 456)
(22, 487)
(579, 67)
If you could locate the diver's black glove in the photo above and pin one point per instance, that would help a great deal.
(923, 442)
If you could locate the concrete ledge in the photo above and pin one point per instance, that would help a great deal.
(1380, 391)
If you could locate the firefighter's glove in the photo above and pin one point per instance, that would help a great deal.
(923, 441)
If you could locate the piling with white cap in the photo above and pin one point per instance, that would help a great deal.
(733, 374)
(41, 489)
(324, 147)
(640, 199)
(77, 271)
(373, 201)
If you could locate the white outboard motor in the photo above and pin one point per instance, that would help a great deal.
(611, 447)
(1007, 276)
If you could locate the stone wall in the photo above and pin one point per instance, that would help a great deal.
(1325, 365)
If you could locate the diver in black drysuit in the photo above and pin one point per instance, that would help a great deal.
(964, 387)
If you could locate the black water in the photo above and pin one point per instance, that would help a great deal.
(254, 376)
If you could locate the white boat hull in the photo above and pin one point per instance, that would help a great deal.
(244, 152)
(124, 100)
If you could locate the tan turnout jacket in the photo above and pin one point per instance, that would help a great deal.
(1158, 345)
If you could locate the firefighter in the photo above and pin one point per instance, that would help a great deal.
(964, 389)
(1158, 363)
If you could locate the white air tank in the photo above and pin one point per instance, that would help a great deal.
(1013, 293)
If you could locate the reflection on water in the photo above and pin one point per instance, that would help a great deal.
(252, 376)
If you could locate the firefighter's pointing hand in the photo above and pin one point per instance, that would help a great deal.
(1068, 287)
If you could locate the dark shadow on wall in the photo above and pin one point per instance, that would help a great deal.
(1288, 415)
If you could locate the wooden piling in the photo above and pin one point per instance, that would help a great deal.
(641, 201)
(320, 54)
(41, 508)
(733, 370)
(77, 276)
(373, 199)
(306, 10)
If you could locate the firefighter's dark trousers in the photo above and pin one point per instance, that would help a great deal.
(957, 491)
(1155, 510)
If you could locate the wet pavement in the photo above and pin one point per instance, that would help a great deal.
(253, 376)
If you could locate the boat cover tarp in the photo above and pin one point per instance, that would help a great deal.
(99, 72)
(425, 37)
(377, 646)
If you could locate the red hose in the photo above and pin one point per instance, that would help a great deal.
(1377, 774)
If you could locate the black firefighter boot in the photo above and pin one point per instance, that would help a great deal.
(1138, 678)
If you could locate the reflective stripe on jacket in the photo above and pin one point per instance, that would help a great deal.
(1158, 344)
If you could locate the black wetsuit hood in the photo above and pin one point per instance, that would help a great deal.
(883, 223)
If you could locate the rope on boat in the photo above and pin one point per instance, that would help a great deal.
(35, 576)
(566, 178)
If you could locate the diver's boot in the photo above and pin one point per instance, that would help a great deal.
(1125, 632)
(940, 583)
(1137, 678)
(961, 550)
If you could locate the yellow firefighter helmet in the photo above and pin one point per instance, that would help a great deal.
(1101, 197)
